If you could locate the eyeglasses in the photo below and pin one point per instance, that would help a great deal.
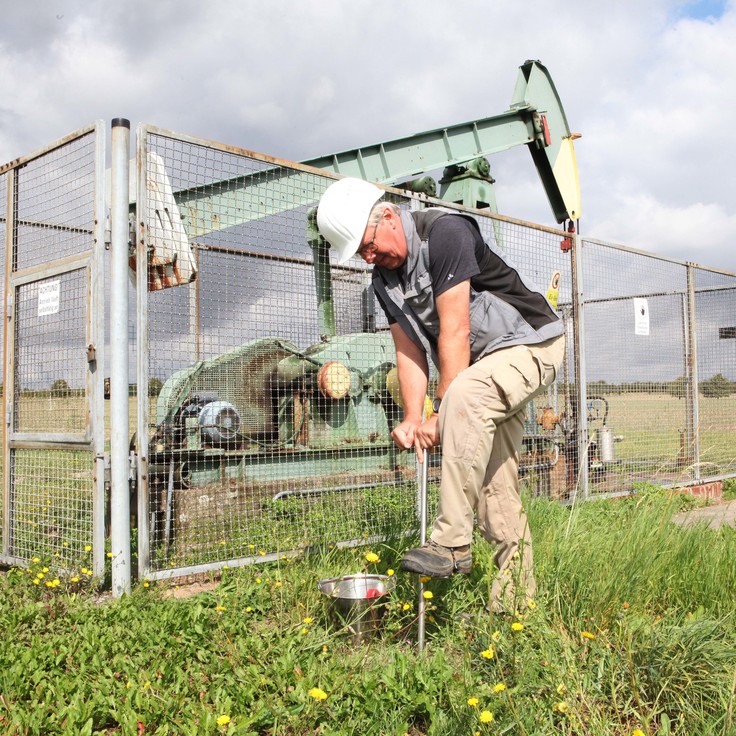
(370, 247)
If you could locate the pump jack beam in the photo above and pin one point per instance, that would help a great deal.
(535, 118)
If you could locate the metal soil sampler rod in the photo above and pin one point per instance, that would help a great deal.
(422, 505)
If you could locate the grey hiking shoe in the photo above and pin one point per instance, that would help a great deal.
(437, 561)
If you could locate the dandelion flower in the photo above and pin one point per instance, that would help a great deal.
(75, 579)
(637, 732)
(389, 572)
(487, 653)
(36, 559)
(223, 720)
(517, 626)
(258, 581)
(318, 694)
(561, 689)
(248, 609)
(220, 608)
(308, 620)
(428, 595)
(587, 635)
(372, 557)
(109, 554)
(499, 687)
(406, 607)
(88, 548)
(560, 707)
(531, 604)
(472, 702)
(485, 716)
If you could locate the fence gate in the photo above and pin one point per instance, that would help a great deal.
(54, 436)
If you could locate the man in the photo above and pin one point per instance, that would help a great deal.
(497, 343)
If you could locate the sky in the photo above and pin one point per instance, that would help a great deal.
(648, 85)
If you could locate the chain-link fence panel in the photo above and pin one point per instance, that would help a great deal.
(715, 322)
(53, 505)
(271, 371)
(648, 415)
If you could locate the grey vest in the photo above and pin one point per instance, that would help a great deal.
(494, 323)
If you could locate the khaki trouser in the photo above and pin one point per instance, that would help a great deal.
(481, 424)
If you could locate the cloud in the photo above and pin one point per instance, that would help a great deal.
(645, 83)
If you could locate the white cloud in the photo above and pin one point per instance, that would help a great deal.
(645, 83)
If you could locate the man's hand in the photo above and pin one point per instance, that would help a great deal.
(422, 436)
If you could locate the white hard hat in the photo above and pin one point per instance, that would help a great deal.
(342, 214)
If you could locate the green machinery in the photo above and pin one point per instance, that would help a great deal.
(276, 415)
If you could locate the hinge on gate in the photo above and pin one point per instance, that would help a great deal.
(106, 465)
(132, 466)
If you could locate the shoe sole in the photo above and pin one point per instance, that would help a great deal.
(441, 575)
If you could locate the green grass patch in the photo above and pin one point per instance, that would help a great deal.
(633, 629)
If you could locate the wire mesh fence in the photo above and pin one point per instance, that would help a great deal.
(52, 505)
(265, 388)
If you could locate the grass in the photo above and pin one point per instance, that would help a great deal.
(632, 632)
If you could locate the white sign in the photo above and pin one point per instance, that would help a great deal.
(641, 317)
(48, 298)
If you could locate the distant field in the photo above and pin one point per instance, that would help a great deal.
(652, 425)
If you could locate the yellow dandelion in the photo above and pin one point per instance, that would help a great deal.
(485, 716)
(36, 560)
(428, 595)
(587, 635)
(45, 569)
(406, 607)
(258, 581)
(146, 584)
(487, 653)
(223, 720)
(372, 557)
(389, 572)
(324, 647)
(637, 732)
(88, 548)
(109, 554)
(277, 584)
(499, 687)
(517, 626)
(560, 707)
(40, 575)
(220, 608)
(248, 609)
(561, 689)
(262, 552)
(318, 694)
(75, 579)
(472, 702)
(304, 630)
(531, 604)
(36, 581)
(308, 620)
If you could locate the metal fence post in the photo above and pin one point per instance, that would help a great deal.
(693, 416)
(119, 381)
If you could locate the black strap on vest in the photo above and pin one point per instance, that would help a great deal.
(424, 219)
